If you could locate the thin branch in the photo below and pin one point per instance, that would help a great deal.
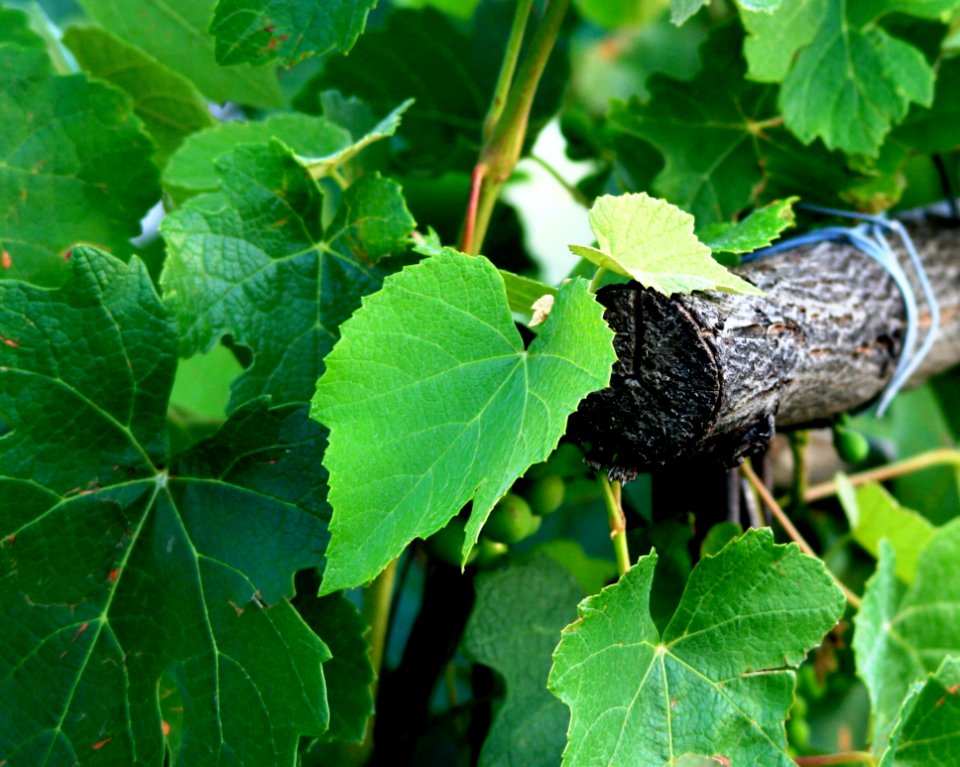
(826, 760)
(940, 457)
(787, 525)
(617, 521)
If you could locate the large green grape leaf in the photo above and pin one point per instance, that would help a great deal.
(854, 80)
(717, 683)
(432, 400)
(928, 724)
(513, 628)
(169, 105)
(773, 39)
(935, 128)
(653, 242)
(255, 262)
(708, 129)
(74, 166)
(175, 33)
(904, 633)
(146, 598)
(15, 29)
(258, 31)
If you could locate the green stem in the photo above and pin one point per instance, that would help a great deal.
(799, 441)
(575, 193)
(940, 457)
(794, 534)
(597, 278)
(508, 67)
(826, 760)
(376, 611)
(617, 521)
(502, 149)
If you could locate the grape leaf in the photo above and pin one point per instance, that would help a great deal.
(928, 723)
(258, 31)
(432, 401)
(618, 13)
(875, 515)
(169, 105)
(718, 682)
(254, 261)
(773, 39)
(653, 242)
(681, 10)
(133, 590)
(514, 626)
(758, 230)
(349, 673)
(854, 80)
(15, 29)
(935, 128)
(175, 33)
(902, 634)
(192, 168)
(71, 146)
(709, 131)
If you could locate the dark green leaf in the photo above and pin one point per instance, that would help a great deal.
(717, 683)
(15, 30)
(348, 673)
(169, 105)
(74, 166)
(255, 262)
(709, 134)
(258, 31)
(514, 626)
(432, 401)
(135, 594)
(175, 33)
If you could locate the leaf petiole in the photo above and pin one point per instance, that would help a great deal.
(617, 520)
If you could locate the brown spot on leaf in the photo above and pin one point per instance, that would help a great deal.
(5, 260)
(101, 743)
(165, 727)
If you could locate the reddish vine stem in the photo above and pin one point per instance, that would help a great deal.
(794, 534)
(503, 144)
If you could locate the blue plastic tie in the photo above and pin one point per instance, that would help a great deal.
(869, 238)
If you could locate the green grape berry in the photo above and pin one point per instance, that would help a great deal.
(851, 446)
(511, 520)
(447, 544)
(488, 552)
(545, 495)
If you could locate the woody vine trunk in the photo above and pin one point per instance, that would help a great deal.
(715, 374)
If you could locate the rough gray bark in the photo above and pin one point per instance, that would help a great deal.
(713, 374)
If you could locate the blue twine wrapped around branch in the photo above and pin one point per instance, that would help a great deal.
(870, 238)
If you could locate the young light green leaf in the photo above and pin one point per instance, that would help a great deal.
(192, 168)
(432, 401)
(854, 80)
(76, 167)
(718, 683)
(927, 731)
(258, 31)
(514, 626)
(874, 515)
(321, 165)
(904, 634)
(758, 230)
(169, 105)
(653, 242)
(130, 583)
(255, 262)
(175, 32)
(708, 129)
